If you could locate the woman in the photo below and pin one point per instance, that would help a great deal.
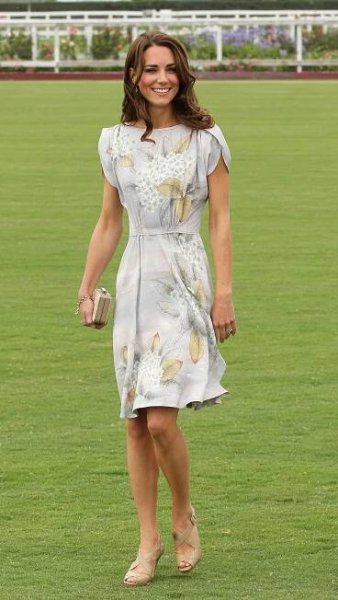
(162, 162)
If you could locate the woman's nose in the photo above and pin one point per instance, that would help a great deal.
(162, 75)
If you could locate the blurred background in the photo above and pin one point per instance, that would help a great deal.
(220, 36)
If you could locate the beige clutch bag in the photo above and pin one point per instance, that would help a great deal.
(102, 302)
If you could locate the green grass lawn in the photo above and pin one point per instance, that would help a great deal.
(264, 464)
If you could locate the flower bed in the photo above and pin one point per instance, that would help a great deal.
(251, 42)
(237, 44)
(109, 43)
(16, 45)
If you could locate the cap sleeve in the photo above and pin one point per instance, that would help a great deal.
(105, 154)
(217, 147)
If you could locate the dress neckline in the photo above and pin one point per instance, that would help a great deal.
(154, 128)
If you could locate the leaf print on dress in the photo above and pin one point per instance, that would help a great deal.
(183, 208)
(161, 178)
(119, 149)
(196, 346)
(130, 380)
(199, 292)
(152, 371)
(126, 160)
(183, 144)
(184, 307)
(193, 251)
(173, 189)
(179, 299)
(171, 367)
(184, 299)
(170, 187)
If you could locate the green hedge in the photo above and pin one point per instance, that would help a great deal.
(17, 45)
(254, 42)
(109, 43)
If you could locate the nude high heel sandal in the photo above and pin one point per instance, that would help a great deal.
(148, 562)
(188, 536)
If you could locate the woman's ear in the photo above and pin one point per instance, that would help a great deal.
(132, 75)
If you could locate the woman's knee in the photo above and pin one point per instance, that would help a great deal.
(137, 428)
(162, 424)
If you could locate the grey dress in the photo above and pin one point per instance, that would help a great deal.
(165, 350)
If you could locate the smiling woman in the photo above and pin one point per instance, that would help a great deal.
(157, 69)
(159, 82)
(162, 163)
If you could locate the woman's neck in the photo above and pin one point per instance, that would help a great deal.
(162, 117)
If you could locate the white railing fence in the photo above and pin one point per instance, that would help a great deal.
(60, 24)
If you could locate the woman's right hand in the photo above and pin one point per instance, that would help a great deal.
(86, 312)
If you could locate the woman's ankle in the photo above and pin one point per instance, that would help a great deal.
(149, 539)
(181, 515)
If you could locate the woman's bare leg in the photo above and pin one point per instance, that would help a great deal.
(172, 456)
(143, 473)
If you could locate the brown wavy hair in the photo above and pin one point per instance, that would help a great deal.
(185, 104)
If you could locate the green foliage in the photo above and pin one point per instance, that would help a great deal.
(21, 45)
(264, 464)
(250, 50)
(73, 45)
(203, 51)
(46, 48)
(16, 45)
(4, 48)
(108, 43)
(70, 47)
(319, 41)
(198, 47)
(243, 43)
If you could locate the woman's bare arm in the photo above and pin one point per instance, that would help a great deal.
(102, 245)
(222, 312)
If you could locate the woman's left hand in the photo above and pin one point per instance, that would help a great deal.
(223, 318)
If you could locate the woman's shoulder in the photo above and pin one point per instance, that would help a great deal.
(111, 129)
(215, 132)
(110, 137)
(213, 143)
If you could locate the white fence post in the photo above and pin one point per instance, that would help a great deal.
(88, 31)
(56, 50)
(219, 44)
(134, 32)
(299, 47)
(34, 43)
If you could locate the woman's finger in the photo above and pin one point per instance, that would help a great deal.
(230, 328)
(86, 312)
(221, 333)
(227, 333)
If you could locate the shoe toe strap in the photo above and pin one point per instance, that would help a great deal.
(138, 574)
(185, 557)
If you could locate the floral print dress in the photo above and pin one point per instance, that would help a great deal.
(165, 350)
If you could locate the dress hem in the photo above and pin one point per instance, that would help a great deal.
(195, 405)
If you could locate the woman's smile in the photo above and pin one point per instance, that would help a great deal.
(161, 90)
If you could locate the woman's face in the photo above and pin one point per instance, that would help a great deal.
(159, 82)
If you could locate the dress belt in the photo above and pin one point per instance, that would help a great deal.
(134, 233)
